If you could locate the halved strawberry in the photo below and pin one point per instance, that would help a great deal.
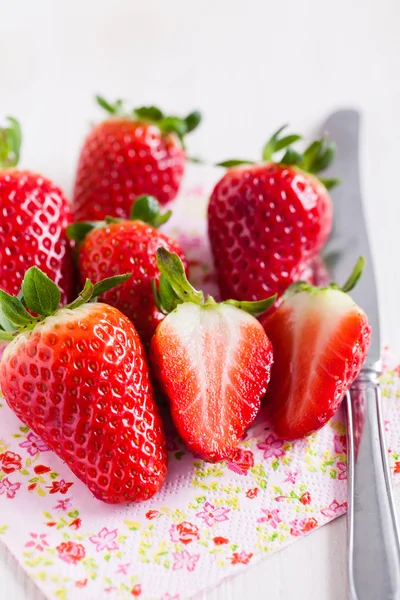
(213, 362)
(320, 339)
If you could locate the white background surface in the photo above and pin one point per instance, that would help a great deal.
(250, 66)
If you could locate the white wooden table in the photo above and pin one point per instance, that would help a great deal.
(250, 66)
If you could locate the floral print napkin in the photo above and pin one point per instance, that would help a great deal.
(208, 522)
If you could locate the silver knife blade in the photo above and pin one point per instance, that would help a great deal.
(349, 237)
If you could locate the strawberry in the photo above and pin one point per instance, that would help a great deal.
(118, 246)
(78, 377)
(213, 362)
(33, 216)
(129, 154)
(267, 221)
(320, 339)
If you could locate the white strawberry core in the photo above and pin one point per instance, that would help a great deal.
(212, 359)
(192, 323)
(315, 316)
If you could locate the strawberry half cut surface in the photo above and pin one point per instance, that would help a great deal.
(320, 339)
(78, 377)
(213, 362)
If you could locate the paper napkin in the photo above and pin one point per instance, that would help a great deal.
(209, 521)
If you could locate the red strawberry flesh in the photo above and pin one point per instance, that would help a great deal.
(214, 363)
(320, 340)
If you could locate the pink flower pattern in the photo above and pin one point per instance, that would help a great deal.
(272, 446)
(300, 527)
(184, 532)
(123, 569)
(8, 488)
(339, 444)
(63, 504)
(241, 461)
(105, 540)
(334, 508)
(291, 477)
(300, 445)
(271, 516)
(34, 444)
(241, 558)
(71, 552)
(184, 560)
(212, 515)
(38, 542)
(343, 470)
(295, 529)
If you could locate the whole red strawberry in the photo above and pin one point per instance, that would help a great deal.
(129, 154)
(320, 339)
(33, 216)
(118, 246)
(212, 360)
(267, 221)
(78, 377)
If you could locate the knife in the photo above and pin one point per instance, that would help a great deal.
(373, 540)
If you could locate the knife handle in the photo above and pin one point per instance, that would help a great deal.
(374, 550)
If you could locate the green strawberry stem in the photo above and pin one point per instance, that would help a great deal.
(275, 143)
(234, 162)
(317, 157)
(152, 114)
(303, 286)
(78, 231)
(147, 209)
(113, 109)
(144, 208)
(10, 144)
(42, 296)
(174, 288)
(256, 308)
(355, 276)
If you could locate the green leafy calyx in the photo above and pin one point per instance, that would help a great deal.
(144, 208)
(148, 210)
(173, 288)
(10, 144)
(303, 286)
(317, 157)
(181, 126)
(41, 295)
